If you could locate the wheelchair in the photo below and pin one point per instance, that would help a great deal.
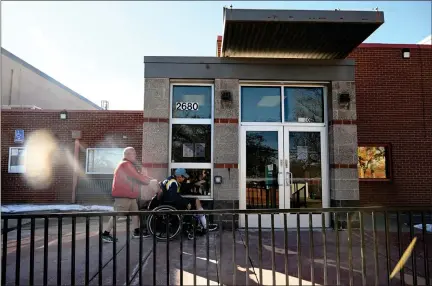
(169, 226)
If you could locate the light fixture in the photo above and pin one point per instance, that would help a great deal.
(218, 180)
(344, 100)
(63, 115)
(406, 53)
(226, 95)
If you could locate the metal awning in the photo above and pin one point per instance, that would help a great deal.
(298, 34)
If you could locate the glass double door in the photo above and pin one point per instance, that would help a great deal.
(281, 168)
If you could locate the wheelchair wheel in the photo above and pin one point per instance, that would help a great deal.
(157, 224)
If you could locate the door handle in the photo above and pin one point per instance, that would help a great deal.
(280, 179)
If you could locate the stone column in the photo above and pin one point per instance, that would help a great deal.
(156, 126)
(344, 183)
(226, 146)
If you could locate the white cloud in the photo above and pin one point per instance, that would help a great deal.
(426, 41)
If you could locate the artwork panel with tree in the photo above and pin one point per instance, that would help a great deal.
(372, 162)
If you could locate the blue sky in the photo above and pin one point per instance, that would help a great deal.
(97, 48)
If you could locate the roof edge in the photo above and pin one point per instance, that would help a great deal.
(47, 77)
(241, 60)
(395, 46)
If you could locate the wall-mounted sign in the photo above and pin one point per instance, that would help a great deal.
(187, 106)
(200, 150)
(19, 136)
(188, 150)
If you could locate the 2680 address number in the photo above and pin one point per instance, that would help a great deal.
(187, 106)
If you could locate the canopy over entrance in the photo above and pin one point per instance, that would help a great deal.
(302, 34)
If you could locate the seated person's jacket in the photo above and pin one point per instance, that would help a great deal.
(171, 193)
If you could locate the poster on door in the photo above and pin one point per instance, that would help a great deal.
(302, 153)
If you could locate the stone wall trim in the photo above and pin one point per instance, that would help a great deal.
(226, 120)
(342, 122)
(164, 120)
(226, 166)
(155, 165)
(343, 166)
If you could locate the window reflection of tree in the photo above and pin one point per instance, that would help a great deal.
(308, 103)
(190, 134)
(258, 155)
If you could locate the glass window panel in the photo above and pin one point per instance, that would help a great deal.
(191, 102)
(305, 166)
(104, 160)
(191, 143)
(261, 104)
(17, 160)
(262, 188)
(198, 184)
(304, 104)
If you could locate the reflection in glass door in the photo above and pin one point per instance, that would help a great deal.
(283, 168)
(304, 159)
(263, 169)
(305, 170)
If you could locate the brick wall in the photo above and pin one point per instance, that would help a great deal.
(394, 105)
(99, 129)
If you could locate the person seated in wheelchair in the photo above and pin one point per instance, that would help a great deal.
(171, 193)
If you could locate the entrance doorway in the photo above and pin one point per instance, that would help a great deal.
(283, 167)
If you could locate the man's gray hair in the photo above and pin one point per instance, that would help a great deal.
(126, 150)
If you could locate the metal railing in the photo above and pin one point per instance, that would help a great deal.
(273, 247)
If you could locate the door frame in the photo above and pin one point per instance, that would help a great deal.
(324, 158)
(283, 145)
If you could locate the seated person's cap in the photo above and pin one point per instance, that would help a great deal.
(181, 172)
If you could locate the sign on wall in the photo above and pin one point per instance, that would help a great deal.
(19, 136)
(183, 106)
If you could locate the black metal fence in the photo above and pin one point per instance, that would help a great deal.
(273, 247)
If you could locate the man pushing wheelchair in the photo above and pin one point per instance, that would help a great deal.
(171, 193)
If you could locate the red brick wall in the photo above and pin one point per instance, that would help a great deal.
(394, 105)
(219, 46)
(99, 129)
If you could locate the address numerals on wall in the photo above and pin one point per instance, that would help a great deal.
(187, 106)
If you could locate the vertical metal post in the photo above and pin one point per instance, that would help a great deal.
(87, 251)
(286, 249)
(167, 251)
(153, 220)
(181, 250)
(32, 250)
(273, 249)
(399, 236)
(73, 244)
(100, 249)
(128, 237)
(233, 251)
(374, 227)
(247, 248)
(386, 223)
(350, 259)
(299, 261)
(220, 250)
(338, 277)
(18, 253)
(425, 248)
(413, 254)
(45, 264)
(207, 255)
(59, 249)
(260, 249)
(324, 238)
(362, 249)
(114, 261)
(311, 249)
(4, 251)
